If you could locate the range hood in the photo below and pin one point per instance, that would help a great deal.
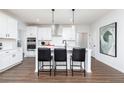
(57, 30)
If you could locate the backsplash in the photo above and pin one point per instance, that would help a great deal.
(58, 41)
(7, 44)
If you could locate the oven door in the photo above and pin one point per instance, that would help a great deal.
(31, 47)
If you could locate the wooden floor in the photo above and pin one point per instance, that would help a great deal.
(25, 73)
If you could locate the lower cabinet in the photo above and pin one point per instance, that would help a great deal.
(4, 60)
(30, 54)
(10, 58)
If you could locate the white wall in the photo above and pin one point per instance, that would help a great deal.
(83, 28)
(115, 62)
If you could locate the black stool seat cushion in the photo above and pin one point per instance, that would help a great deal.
(44, 54)
(78, 54)
(60, 54)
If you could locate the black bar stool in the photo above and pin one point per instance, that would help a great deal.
(78, 55)
(60, 55)
(44, 55)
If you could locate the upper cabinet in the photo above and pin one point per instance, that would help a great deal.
(44, 33)
(8, 27)
(12, 28)
(31, 31)
(68, 33)
(3, 25)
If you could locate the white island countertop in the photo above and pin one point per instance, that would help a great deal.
(69, 48)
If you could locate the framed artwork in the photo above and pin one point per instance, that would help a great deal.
(108, 39)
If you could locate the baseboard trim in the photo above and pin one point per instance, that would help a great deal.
(9, 67)
(108, 65)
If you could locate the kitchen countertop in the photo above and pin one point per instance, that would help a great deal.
(10, 49)
(69, 48)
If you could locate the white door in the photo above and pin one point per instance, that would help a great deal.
(82, 40)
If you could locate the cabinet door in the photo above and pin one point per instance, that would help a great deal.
(16, 56)
(13, 54)
(48, 34)
(3, 25)
(12, 28)
(19, 56)
(2, 60)
(44, 34)
(5, 60)
(31, 31)
(68, 33)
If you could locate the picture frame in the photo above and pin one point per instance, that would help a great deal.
(108, 39)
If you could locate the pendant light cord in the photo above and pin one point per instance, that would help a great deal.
(73, 15)
(53, 16)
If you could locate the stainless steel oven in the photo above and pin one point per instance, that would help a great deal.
(31, 44)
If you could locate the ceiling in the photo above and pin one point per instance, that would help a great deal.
(61, 16)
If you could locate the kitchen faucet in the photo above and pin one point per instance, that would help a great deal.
(65, 42)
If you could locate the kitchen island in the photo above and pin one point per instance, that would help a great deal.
(69, 53)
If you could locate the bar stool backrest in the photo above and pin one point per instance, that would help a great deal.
(60, 54)
(44, 54)
(78, 54)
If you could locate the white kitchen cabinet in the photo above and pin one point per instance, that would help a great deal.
(68, 33)
(3, 25)
(11, 28)
(44, 33)
(31, 31)
(16, 56)
(30, 53)
(5, 60)
(9, 58)
(19, 54)
(8, 27)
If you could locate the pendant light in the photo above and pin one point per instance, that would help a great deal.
(73, 20)
(53, 16)
(73, 16)
(53, 24)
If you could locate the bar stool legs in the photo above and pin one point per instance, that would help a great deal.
(55, 69)
(38, 69)
(66, 69)
(50, 68)
(72, 69)
(84, 70)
